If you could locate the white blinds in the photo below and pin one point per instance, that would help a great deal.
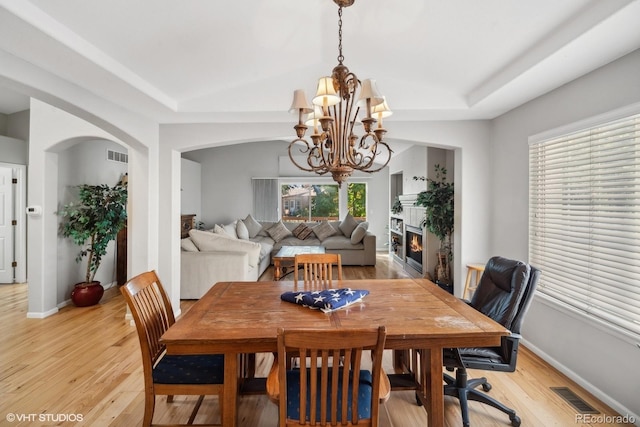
(584, 220)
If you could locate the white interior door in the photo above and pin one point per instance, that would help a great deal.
(6, 227)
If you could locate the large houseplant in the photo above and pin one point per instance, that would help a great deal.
(438, 201)
(92, 223)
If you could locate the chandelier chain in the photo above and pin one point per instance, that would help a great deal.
(340, 56)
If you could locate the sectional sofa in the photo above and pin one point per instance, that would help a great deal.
(243, 249)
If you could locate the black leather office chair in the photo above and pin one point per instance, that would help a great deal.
(504, 294)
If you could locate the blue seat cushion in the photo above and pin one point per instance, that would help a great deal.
(189, 369)
(293, 396)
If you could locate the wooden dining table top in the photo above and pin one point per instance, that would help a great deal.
(245, 316)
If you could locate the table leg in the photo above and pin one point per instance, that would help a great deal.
(434, 387)
(276, 269)
(230, 398)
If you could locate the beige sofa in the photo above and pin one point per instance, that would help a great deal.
(243, 250)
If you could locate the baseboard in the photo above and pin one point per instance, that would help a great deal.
(599, 394)
(42, 315)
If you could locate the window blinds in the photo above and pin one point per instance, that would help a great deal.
(584, 220)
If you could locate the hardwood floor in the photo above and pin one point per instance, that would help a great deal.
(83, 365)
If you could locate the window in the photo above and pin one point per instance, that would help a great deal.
(584, 220)
(317, 202)
(357, 200)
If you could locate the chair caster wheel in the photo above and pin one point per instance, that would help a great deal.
(486, 387)
(515, 420)
(418, 401)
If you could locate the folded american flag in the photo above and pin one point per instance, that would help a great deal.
(326, 300)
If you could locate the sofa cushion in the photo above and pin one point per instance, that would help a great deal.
(302, 231)
(278, 231)
(348, 224)
(187, 245)
(324, 230)
(206, 241)
(241, 230)
(359, 233)
(252, 225)
(337, 243)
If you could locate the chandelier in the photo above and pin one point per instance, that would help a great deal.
(334, 146)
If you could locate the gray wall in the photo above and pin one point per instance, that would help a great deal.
(84, 163)
(599, 358)
(226, 182)
(14, 137)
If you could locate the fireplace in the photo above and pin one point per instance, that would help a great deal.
(413, 247)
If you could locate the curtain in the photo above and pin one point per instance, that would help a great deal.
(265, 199)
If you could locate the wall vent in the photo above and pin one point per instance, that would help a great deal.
(116, 156)
(574, 400)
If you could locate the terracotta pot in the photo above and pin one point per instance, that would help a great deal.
(86, 294)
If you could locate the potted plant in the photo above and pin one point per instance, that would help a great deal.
(438, 201)
(92, 223)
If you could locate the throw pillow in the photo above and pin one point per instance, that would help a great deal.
(187, 245)
(348, 224)
(230, 229)
(278, 231)
(206, 241)
(359, 233)
(324, 230)
(242, 231)
(252, 225)
(302, 231)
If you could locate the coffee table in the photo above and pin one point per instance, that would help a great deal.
(287, 254)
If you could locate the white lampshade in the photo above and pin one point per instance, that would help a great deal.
(381, 110)
(369, 90)
(313, 117)
(300, 102)
(326, 94)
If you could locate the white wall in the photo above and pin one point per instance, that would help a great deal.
(51, 131)
(13, 150)
(84, 163)
(606, 364)
(191, 188)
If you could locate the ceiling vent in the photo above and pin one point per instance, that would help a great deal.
(116, 156)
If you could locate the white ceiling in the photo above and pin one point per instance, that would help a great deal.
(199, 60)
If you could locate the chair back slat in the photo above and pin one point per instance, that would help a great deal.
(330, 364)
(152, 313)
(317, 269)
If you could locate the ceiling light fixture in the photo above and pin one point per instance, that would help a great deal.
(339, 98)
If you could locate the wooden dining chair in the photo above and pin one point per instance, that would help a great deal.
(317, 269)
(166, 374)
(330, 387)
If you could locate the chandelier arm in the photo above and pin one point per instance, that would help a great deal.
(387, 149)
(306, 149)
(324, 161)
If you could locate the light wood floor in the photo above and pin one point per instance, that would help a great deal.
(83, 364)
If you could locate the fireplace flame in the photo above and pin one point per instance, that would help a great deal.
(415, 245)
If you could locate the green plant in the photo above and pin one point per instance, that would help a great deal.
(438, 201)
(94, 221)
(396, 208)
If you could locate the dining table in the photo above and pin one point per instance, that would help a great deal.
(239, 318)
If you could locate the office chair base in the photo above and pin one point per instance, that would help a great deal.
(465, 390)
